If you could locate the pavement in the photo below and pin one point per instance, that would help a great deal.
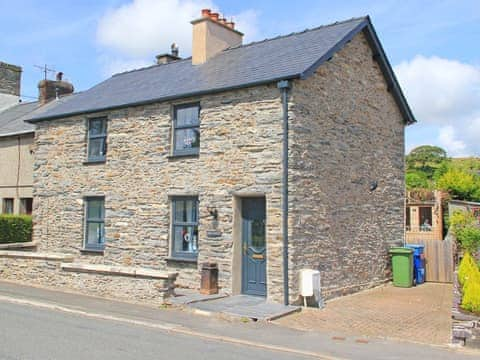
(419, 314)
(49, 324)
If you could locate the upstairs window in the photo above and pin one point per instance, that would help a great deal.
(97, 139)
(186, 129)
(95, 223)
(185, 227)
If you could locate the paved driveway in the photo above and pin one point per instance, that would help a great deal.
(421, 314)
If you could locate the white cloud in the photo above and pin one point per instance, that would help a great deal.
(146, 27)
(134, 33)
(448, 139)
(444, 93)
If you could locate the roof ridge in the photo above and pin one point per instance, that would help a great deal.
(151, 66)
(249, 44)
(297, 32)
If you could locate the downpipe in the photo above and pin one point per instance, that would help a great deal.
(284, 87)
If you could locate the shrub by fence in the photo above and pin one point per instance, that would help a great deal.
(469, 278)
(15, 228)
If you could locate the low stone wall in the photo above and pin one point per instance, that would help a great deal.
(59, 272)
(21, 246)
(465, 327)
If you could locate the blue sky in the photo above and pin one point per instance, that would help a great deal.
(433, 46)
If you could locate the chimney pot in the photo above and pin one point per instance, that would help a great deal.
(211, 35)
(206, 12)
(174, 49)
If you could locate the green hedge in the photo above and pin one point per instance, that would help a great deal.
(15, 228)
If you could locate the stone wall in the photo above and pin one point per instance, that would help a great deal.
(240, 154)
(46, 270)
(10, 79)
(346, 133)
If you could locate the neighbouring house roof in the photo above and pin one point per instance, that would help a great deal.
(294, 56)
(11, 119)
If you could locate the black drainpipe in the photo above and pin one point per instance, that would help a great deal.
(284, 86)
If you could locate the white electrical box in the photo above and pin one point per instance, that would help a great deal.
(310, 285)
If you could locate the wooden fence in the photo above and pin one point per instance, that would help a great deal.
(438, 259)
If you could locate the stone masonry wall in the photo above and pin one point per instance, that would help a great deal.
(10, 79)
(346, 132)
(48, 273)
(240, 153)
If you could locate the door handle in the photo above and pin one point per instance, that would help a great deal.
(245, 247)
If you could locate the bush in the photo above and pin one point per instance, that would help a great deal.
(471, 297)
(469, 238)
(459, 220)
(469, 278)
(467, 266)
(15, 228)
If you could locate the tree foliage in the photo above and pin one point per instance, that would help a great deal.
(460, 184)
(426, 159)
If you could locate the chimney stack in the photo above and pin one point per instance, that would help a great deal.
(211, 35)
(166, 58)
(10, 76)
(49, 90)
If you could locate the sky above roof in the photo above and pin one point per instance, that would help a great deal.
(430, 44)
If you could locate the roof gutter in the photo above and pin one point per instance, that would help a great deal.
(17, 133)
(284, 86)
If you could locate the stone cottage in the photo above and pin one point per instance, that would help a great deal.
(264, 158)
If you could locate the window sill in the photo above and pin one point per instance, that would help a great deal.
(181, 259)
(177, 156)
(92, 251)
(92, 162)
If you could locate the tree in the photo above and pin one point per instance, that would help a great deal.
(416, 180)
(460, 184)
(426, 159)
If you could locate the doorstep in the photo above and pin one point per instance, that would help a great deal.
(245, 306)
(190, 296)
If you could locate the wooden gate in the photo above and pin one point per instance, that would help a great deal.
(438, 260)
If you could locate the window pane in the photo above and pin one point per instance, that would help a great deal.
(187, 116)
(26, 206)
(97, 127)
(425, 219)
(95, 209)
(95, 234)
(96, 148)
(7, 206)
(185, 239)
(186, 211)
(186, 139)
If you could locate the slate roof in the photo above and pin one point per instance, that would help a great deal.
(11, 119)
(296, 55)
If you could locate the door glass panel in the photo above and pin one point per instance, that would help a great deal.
(258, 234)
